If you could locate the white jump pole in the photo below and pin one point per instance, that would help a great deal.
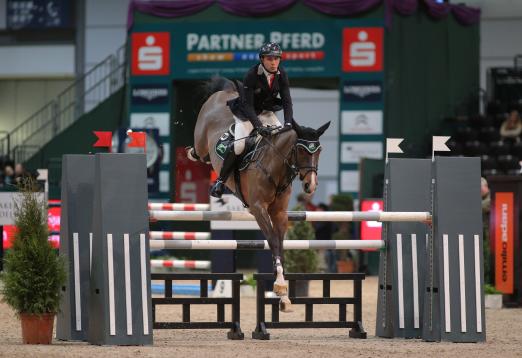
(338, 216)
(263, 244)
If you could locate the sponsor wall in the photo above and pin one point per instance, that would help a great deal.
(361, 133)
(349, 50)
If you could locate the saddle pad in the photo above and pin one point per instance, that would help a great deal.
(248, 155)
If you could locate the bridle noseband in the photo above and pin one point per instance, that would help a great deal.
(311, 146)
(290, 161)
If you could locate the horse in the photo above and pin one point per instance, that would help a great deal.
(265, 184)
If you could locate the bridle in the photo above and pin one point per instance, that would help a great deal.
(311, 147)
(291, 162)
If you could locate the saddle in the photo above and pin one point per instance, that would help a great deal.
(248, 156)
(243, 161)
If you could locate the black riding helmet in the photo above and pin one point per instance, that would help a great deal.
(270, 49)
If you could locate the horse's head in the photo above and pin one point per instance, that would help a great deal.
(308, 149)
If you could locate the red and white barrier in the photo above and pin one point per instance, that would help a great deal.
(178, 206)
(179, 235)
(186, 264)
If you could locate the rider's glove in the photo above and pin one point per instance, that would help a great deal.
(264, 131)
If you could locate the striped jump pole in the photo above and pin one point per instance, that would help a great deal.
(179, 235)
(263, 244)
(178, 206)
(293, 216)
(186, 264)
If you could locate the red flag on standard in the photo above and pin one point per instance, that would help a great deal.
(104, 139)
(137, 139)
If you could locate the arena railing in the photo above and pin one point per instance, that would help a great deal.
(83, 95)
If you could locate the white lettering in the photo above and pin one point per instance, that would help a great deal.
(203, 43)
(215, 42)
(253, 41)
(192, 39)
(317, 40)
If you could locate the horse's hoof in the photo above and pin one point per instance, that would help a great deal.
(285, 305)
(280, 289)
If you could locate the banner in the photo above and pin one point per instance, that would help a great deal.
(192, 179)
(503, 221)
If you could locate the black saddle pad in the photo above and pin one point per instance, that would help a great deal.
(249, 154)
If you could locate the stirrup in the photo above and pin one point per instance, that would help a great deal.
(217, 189)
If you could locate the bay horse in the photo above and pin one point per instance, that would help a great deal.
(266, 183)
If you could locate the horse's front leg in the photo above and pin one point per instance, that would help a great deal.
(279, 217)
(259, 209)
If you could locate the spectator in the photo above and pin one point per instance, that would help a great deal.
(323, 231)
(20, 173)
(305, 200)
(486, 204)
(9, 175)
(512, 126)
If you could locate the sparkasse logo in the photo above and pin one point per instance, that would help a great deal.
(150, 53)
(363, 49)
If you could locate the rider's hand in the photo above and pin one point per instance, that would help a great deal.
(288, 125)
(264, 131)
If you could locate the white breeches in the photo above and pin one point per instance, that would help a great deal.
(244, 128)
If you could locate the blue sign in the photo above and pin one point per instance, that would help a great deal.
(150, 94)
(362, 91)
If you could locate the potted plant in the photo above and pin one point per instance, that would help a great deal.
(248, 286)
(33, 272)
(493, 297)
(301, 261)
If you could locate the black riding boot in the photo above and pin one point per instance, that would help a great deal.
(227, 168)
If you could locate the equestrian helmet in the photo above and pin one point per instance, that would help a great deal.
(270, 49)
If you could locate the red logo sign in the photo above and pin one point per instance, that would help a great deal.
(150, 53)
(53, 220)
(192, 179)
(363, 49)
(504, 238)
(371, 230)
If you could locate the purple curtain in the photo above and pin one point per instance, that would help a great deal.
(403, 7)
(176, 8)
(464, 15)
(436, 10)
(341, 7)
(255, 8)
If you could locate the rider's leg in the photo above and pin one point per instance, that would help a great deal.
(242, 129)
(229, 159)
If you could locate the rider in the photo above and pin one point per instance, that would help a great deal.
(265, 91)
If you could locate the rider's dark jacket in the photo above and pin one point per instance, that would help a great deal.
(256, 96)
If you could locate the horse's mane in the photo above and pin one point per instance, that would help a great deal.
(218, 83)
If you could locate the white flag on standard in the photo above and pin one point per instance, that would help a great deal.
(392, 146)
(439, 145)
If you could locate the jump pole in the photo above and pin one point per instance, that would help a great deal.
(339, 216)
(263, 244)
(178, 235)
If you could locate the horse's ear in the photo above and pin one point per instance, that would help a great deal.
(322, 128)
(297, 128)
